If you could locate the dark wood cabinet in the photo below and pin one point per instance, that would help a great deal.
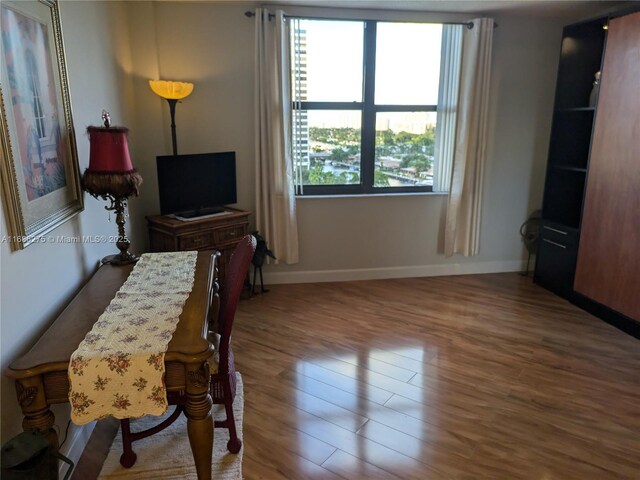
(219, 232)
(608, 268)
(556, 260)
(580, 58)
(590, 232)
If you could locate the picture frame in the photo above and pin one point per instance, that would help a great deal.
(39, 165)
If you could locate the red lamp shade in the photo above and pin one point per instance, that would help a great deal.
(110, 171)
(109, 150)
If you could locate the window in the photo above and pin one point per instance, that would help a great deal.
(34, 84)
(365, 95)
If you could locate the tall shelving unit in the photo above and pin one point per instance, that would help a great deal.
(580, 58)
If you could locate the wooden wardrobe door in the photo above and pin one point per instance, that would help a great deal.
(608, 269)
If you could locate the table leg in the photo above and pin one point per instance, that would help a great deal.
(37, 415)
(200, 422)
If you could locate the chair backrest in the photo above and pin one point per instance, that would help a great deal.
(235, 276)
(213, 287)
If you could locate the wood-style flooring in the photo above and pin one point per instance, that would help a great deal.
(465, 377)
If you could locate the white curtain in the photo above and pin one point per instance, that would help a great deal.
(275, 195)
(462, 225)
(450, 55)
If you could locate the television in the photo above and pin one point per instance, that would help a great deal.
(196, 185)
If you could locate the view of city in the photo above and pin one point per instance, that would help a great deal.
(403, 155)
(327, 143)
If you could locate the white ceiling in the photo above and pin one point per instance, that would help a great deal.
(550, 8)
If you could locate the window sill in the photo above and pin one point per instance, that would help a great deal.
(374, 195)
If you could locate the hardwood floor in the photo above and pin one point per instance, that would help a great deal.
(467, 377)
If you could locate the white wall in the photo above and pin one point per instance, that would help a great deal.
(212, 47)
(149, 130)
(402, 236)
(367, 237)
(37, 283)
(215, 51)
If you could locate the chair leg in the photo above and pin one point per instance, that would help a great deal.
(262, 289)
(128, 457)
(234, 444)
(253, 285)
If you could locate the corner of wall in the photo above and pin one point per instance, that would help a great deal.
(148, 130)
(77, 440)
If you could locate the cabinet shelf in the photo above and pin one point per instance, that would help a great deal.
(571, 138)
(580, 58)
(569, 168)
(576, 109)
(569, 150)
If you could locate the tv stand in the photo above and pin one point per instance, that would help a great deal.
(218, 231)
(200, 217)
(200, 213)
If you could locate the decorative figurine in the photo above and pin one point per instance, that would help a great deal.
(595, 91)
(261, 254)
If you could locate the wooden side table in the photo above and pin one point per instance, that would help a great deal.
(222, 232)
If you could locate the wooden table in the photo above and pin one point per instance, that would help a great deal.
(41, 374)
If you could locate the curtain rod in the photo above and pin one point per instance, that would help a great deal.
(469, 25)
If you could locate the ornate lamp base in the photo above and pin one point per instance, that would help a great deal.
(118, 205)
(120, 259)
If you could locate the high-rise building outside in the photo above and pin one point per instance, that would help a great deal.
(299, 94)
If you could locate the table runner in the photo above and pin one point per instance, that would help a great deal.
(118, 369)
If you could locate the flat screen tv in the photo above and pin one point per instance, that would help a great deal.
(196, 185)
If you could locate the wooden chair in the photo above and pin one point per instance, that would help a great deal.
(223, 372)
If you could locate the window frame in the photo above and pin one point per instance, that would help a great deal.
(369, 110)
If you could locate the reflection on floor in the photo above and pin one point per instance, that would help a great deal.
(467, 377)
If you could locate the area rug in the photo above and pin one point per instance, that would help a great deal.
(167, 455)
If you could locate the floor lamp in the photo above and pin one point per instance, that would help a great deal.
(172, 92)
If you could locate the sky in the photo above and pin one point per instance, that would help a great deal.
(407, 69)
(407, 61)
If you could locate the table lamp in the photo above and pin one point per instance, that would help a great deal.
(111, 176)
(172, 92)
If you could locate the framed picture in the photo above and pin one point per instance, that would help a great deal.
(40, 177)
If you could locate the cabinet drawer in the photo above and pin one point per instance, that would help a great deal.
(556, 264)
(556, 233)
(233, 233)
(160, 242)
(196, 241)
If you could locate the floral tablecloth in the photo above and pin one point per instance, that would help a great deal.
(118, 369)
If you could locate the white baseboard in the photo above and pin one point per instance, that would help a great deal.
(74, 446)
(317, 276)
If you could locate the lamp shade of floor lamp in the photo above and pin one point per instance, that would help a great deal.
(111, 176)
(172, 92)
